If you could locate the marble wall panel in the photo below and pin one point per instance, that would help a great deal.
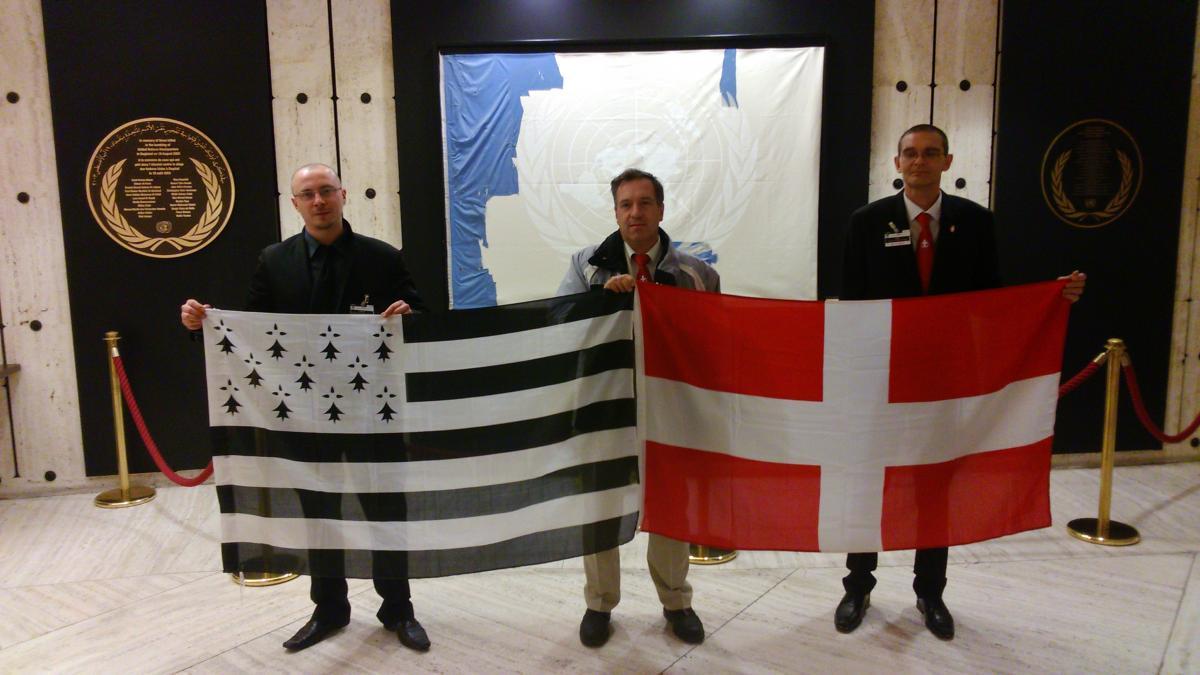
(966, 117)
(302, 91)
(903, 42)
(1183, 382)
(903, 53)
(33, 280)
(6, 438)
(965, 73)
(304, 133)
(962, 50)
(367, 134)
(966, 41)
(289, 220)
(892, 112)
(362, 40)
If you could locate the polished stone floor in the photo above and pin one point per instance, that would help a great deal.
(137, 590)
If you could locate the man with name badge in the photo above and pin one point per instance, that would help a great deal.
(329, 269)
(920, 241)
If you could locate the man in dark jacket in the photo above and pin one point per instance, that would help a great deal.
(919, 242)
(328, 269)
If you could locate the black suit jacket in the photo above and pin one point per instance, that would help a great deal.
(371, 268)
(283, 282)
(965, 258)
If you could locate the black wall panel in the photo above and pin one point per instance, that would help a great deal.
(1129, 63)
(202, 63)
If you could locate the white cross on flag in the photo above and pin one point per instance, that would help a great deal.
(848, 426)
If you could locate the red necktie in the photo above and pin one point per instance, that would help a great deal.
(925, 250)
(643, 272)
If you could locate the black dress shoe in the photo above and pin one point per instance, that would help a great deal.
(411, 633)
(850, 611)
(593, 630)
(313, 632)
(937, 617)
(685, 624)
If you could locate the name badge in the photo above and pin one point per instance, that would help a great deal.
(903, 238)
(365, 307)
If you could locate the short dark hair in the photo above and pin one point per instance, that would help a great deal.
(637, 174)
(925, 128)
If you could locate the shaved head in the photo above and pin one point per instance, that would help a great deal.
(318, 196)
(315, 167)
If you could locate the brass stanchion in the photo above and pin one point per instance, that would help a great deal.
(126, 495)
(1101, 530)
(260, 573)
(707, 555)
(256, 579)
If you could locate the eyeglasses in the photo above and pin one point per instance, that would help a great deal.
(325, 192)
(929, 153)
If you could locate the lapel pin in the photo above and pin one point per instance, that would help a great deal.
(892, 226)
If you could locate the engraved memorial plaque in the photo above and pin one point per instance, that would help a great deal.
(1091, 173)
(160, 188)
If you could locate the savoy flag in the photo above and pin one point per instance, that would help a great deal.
(849, 426)
(424, 445)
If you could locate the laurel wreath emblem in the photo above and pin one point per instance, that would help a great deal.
(1115, 205)
(131, 237)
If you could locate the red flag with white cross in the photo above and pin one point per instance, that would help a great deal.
(848, 426)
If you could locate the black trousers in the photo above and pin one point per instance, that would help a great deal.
(329, 595)
(389, 569)
(929, 572)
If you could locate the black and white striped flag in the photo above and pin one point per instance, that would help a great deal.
(439, 444)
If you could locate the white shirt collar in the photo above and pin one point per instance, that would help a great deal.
(934, 211)
(653, 253)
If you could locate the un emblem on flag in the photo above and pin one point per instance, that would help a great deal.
(1091, 173)
(159, 187)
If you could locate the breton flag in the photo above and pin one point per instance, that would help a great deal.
(351, 445)
(849, 426)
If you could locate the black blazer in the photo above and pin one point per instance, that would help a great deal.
(282, 281)
(965, 258)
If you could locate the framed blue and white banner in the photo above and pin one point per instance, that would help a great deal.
(531, 141)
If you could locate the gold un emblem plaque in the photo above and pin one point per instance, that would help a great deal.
(159, 187)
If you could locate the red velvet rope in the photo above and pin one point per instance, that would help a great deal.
(1073, 384)
(1140, 408)
(145, 433)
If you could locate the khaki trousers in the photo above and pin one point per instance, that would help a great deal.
(668, 559)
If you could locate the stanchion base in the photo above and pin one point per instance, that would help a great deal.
(1119, 534)
(112, 499)
(256, 579)
(706, 555)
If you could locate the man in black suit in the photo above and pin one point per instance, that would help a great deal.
(919, 242)
(328, 269)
